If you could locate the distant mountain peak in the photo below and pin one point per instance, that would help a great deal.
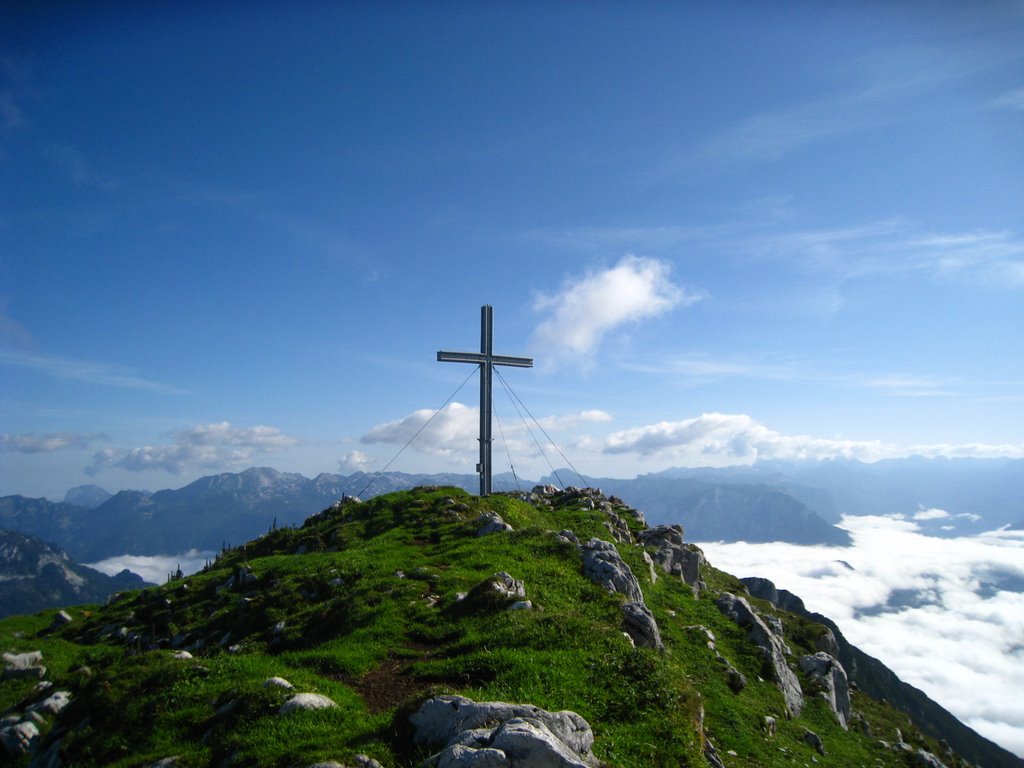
(87, 496)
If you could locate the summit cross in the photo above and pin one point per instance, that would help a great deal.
(486, 359)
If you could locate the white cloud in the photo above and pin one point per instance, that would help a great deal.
(355, 461)
(209, 447)
(958, 639)
(454, 429)
(48, 443)
(587, 308)
(722, 438)
(931, 514)
(736, 437)
(155, 568)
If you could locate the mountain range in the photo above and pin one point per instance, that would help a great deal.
(796, 502)
(35, 575)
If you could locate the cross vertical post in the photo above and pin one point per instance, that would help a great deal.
(486, 359)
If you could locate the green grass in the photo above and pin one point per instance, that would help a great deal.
(393, 631)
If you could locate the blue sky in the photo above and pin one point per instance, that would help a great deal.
(235, 236)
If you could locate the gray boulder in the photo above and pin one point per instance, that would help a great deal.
(491, 522)
(772, 646)
(19, 738)
(814, 740)
(496, 591)
(528, 741)
(441, 720)
(306, 701)
(28, 664)
(675, 557)
(829, 677)
(926, 759)
(638, 622)
(603, 565)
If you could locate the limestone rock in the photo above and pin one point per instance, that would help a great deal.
(498, 590)
(19, 738)
(53, 703)
(28, 664)
(603, 565)
(829, 677)
(441, 719)
(639, 624)
(491, 522)
(278, 682)
(814, 740)
(675, 557)
(528, 741)
(306, 701)
(928, 760)
(568, 537)
(774, 650)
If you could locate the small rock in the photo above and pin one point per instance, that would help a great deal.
(278, 682)
(181, 655)
(639, 622)
(53, 703)
(814, 740)
(306, 701)
(521, 605)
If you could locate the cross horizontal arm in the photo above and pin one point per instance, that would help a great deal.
(461, 357)
(518, 362)
(479, 357)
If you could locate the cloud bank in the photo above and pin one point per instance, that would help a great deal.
(452, 430)
(48, 443)
(586, 309)
(154, 568)
(947, 615)
(723, 438)
(205, 447)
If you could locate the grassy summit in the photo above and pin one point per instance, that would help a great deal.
(367, 604)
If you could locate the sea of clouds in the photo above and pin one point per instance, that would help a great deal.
(945, 614)
(156, 568)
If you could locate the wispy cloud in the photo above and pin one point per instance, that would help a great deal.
(587, 308)
(50, 442)
(703, 369)
(1013, 100)
(893, 248)
(208, 447)
(956, 632)
(723, 438)
(105, 374)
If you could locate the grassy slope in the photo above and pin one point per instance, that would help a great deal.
(378, 643)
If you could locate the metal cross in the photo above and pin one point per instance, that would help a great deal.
(486, 359)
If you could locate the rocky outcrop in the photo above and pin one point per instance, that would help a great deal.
(828, 677)
(500, 735)
(498, 591)
(771, 645)
(603, 565)
(675, 557)
(638, 622)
